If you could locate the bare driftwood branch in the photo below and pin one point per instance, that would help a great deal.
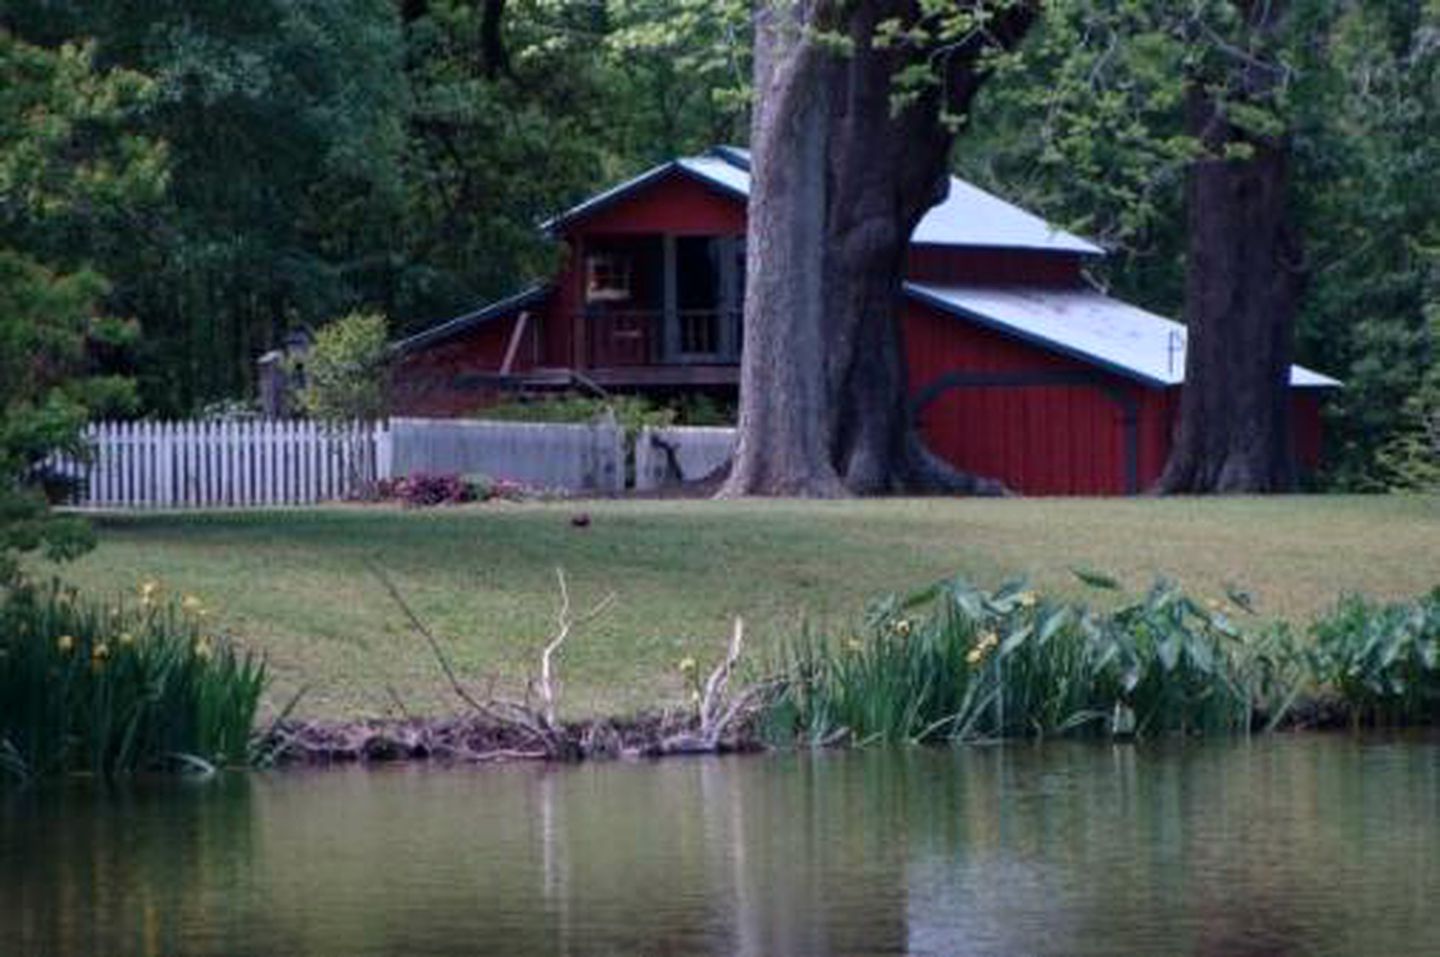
(540, 725)
(564, 625)
(719, 680)
(719, 711)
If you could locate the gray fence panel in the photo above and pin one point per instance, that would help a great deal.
(697, 451)
(574, 458)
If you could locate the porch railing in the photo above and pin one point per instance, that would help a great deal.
(639, 337)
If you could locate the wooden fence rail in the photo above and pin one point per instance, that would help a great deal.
(241, 463)
(269, 462)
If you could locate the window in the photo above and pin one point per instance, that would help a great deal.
(607, 277)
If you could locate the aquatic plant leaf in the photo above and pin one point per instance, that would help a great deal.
(1240, 598)
(1095, 579)
(1224, 625)
(1015, 639)
(1200, 656)
(1168, 651)
(1052, 625)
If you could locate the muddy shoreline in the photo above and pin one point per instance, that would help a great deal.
(477, 740)
(465, 739)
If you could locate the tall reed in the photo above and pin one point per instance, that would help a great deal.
(115, 688)
(955, 662)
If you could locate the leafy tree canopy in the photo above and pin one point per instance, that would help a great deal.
(67, 167)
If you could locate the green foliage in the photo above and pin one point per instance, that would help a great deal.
(246, 169)
(957, 663)
(116, 688)
(631, 412)
(1383, 660)
(345, 369)
(1370, 132)
(66, 167)
(336, 155)
(1085, 125)
(1410, 459)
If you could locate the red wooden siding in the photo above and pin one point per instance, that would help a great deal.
(1039, 440)
(447, 378)
(1042, 423)
(674, 204)
(558, 331)
(1039, 421)
(1307, 428)
(1015, 415)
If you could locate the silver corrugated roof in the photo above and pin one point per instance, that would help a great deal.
(968, 216)
(1084, 324)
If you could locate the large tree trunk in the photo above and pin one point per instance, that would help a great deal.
(783, 444)
(839, 181)
(1242, 291)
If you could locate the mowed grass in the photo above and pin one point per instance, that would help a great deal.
(295, 583)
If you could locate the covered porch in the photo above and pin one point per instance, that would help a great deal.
(659, 309)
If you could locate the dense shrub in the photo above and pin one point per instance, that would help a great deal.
(114, 688)
(631, 412)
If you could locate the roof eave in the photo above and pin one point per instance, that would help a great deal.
(1084, 249)
(470, 320)
(622, 191)
(937, 302)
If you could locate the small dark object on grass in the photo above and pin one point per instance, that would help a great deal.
(580, 519)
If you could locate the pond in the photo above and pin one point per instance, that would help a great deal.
(1321, 844)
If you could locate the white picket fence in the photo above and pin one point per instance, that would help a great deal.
(289, 462)
(241, 463)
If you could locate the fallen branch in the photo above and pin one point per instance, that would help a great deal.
(542, 725)
(435, 648)
(719, 712)
(563, 627)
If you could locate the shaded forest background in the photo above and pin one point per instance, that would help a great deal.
(312, 157)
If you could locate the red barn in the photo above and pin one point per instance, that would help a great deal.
(1021, 371)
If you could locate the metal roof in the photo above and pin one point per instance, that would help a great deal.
(968, 216)
(1085, 325)
(502, 307)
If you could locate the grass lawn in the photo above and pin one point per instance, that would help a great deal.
(295, 584)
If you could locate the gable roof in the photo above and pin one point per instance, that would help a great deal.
(1085, 325)
(531, 296)
(968, 216)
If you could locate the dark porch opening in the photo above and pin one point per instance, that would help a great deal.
(663, 300)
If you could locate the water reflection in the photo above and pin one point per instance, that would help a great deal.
(1284, 847)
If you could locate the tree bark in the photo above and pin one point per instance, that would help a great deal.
(840, 179)
(1242, 291)
(783, 447)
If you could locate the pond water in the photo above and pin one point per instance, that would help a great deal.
(1290, 845)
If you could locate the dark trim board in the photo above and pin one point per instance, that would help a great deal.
(614, 377)
(1129, 407)
(502, 307)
